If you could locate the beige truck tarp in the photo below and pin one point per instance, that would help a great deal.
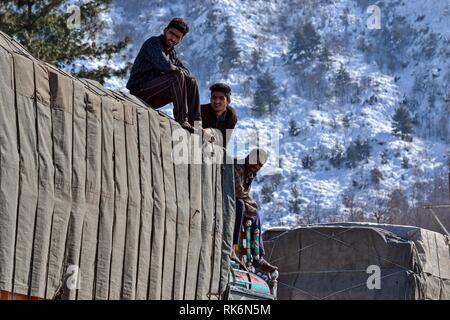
(89, 181)
(331, 261)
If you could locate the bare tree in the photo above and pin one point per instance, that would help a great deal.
(380, 209)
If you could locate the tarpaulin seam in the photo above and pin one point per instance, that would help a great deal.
(38, 169)
(99, 219)
(153, 206)
(127, 200)
(176, 220)
(19, 191)
(439, 267)
(139, 151)
(213, 227)
(114, 208)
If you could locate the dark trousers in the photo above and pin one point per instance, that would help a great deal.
(177, 88)
(241, 219)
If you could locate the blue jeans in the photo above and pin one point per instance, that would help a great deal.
(241, 219)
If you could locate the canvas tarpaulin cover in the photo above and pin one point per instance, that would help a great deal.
(333, 261)
(91, 184)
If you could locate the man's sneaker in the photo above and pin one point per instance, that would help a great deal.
(262, 265)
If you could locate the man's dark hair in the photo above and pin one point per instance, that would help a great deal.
(221, 87)
(179, 24)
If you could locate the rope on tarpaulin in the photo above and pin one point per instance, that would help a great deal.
(335, 292)
(333, 237)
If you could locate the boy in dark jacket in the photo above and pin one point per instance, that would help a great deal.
(158, 77)
(219, 114)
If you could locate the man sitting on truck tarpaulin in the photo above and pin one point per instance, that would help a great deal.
(218, 114)
(246, 207)
(158, 77)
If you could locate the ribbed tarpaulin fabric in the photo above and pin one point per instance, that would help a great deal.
(91, 184)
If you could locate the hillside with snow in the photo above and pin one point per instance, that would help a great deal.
(337, 157)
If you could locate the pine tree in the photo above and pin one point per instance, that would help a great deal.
(266, 98)
(325, 57)
(356, 152)
(346, 121)
(307, 162)
(257, 56)
(376, 176)
(294, 130)
(351, 156)
(230, 52)
(341, 81)
(305, 44)
(405, 163)
(337, 156)
(295, 201)
(212, 18)
(45, 28)
(267, 191)
(372, 100)
(402, 124)
(363, 148)
(344, 18)
(385, 157)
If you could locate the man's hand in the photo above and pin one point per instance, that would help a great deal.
(186, 125)
(250, 209)
(195, 130)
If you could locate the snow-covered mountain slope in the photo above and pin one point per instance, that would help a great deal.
(405, 62)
